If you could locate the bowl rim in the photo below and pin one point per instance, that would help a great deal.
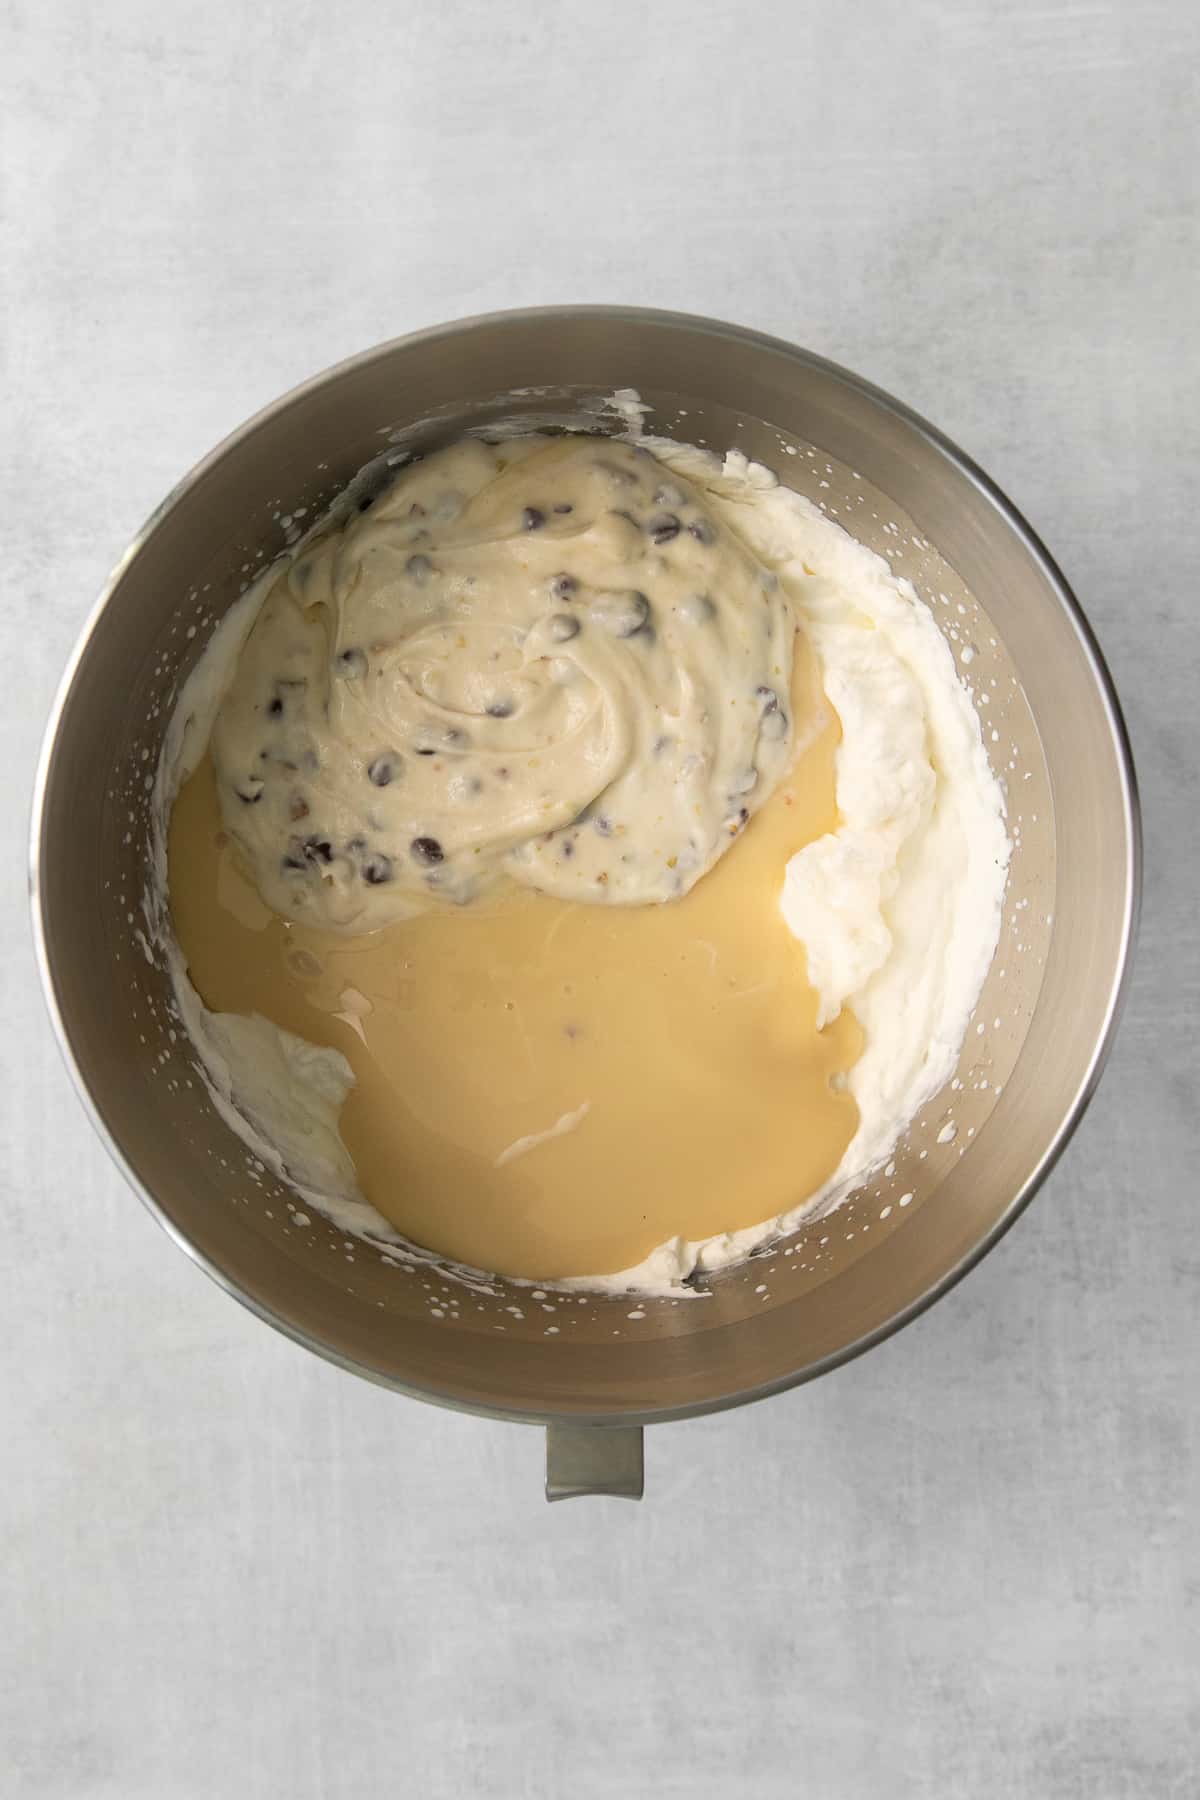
(719, 330)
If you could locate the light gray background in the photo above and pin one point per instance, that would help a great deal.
(965, 1565)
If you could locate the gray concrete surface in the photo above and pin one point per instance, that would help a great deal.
(966, 1565)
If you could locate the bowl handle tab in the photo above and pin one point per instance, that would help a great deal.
(593, 1459)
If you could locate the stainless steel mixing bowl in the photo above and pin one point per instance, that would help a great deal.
(595, 1370)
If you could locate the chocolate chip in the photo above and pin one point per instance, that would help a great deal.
(425, 750)
(669, 495)
(561, 628)
(352, 664)
(275, 708)
(602, 825)
(297, 808)
(769, 698)
(642, 622)
(697, 609)
(702, 531)
(622, 614)
(663, 527)
(366, 501)
(564, 586)
(454, 739)
(418, 568)
(306, 853)
(383, 770)
(568, 848)
(377, 869)
(427, 850)
(532, 519)
(564, 506)
(500, 709)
